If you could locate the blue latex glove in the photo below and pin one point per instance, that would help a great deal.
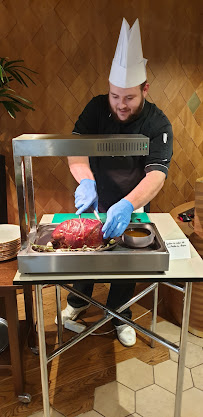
(118, 218)
(86, 196)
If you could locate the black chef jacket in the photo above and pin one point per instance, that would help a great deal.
(117, 176)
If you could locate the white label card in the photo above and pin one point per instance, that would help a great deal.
(178, 248)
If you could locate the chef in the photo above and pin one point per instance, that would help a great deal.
(119, 185)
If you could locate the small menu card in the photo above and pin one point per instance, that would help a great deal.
(178, 248)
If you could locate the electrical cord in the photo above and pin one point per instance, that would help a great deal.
(110, 331)
(113, 330)
(190, 225)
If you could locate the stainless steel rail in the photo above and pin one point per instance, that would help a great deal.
(80, 145)
(175, 287)
(42, 350)
(59, 320)
(154, 313)
(111, 313)
(182, 349)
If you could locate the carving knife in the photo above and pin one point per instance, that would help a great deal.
(97, 216)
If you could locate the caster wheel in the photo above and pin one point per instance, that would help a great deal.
(35, 350)
(25, 398)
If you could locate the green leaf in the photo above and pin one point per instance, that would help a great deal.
(21, 78)
(26, 106)
(11, 71)
(1, 74)
(25, 68)
(28, 76)
(15, 76)
(15, 105)
(16, 108)
(2, 61)
(23, 99)
(9, 63)
(7, 92)
(9, 109)
(11, 104)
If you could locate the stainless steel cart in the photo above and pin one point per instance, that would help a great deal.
(33, 268)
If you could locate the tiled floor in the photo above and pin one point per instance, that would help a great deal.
(142, 390)
(53, 413)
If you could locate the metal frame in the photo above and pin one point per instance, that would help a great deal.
(180, 350)
(35, 145)
(24, 148)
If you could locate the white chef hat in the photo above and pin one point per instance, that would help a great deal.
(128, 66)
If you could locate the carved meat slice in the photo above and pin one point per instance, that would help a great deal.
(76, 233)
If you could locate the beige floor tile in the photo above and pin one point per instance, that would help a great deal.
(38, 414)
(91, 413)
(197, 374)
(155, 401)
(194, 355)
(172, 333)
(168, 331)
(194, 339)
(114, 400)
(134, 374)
(53, 413)
(135, 415)
(165, 375)
(192, 403)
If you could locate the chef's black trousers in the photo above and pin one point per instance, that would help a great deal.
(119, 294)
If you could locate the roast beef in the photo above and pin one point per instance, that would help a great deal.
(76, 233)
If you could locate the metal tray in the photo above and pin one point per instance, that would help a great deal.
(154, 258)
(44, 236)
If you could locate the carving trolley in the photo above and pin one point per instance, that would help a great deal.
(151, 264)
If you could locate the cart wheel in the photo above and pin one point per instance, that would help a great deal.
(35, 350)
(25, 398)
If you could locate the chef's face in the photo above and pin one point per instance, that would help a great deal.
(127, 103)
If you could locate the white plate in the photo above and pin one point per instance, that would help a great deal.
(6, 251)
(9, 232)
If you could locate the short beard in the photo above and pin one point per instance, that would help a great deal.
(132, 117)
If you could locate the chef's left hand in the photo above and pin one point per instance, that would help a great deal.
(118, 218)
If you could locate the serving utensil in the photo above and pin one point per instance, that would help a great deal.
(97, 216)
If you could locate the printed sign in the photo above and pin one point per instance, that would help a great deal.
(178, 248)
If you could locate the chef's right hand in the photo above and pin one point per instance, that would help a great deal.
(86, 196)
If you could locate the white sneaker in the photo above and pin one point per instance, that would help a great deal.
(126, 335)
(71, 313)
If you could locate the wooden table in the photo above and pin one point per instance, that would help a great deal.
(186, 227)
(8, 291)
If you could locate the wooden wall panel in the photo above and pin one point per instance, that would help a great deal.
(71, 45)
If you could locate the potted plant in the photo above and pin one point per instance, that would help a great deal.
(11, 71)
